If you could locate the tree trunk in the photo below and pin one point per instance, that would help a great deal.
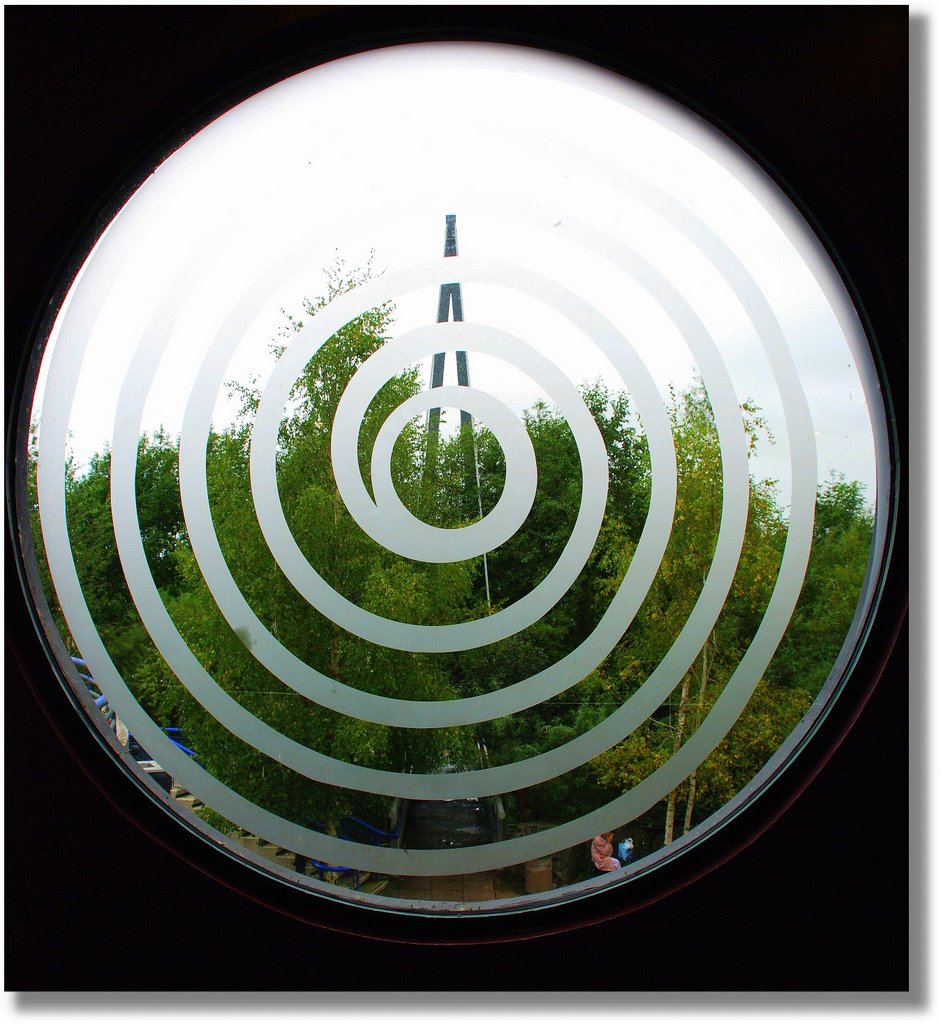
(334, 667)
(671, 813)
(690, 801)
(677, 743)
(701, 704)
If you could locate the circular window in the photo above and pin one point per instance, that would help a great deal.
(457, 481)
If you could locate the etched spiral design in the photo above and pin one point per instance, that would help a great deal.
(384, 518)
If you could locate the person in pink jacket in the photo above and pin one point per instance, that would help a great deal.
(602, 848)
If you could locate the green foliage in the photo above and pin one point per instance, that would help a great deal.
(814, 636)
(768, 719)
(842, 540)
(438, 482)
(42, 562)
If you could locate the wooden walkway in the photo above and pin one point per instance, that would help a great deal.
(449, 888)
(437, 824)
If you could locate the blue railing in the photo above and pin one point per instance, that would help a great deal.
(321, 868)
(170, 730)
(82, 663)
(355, 830)
(375, 835)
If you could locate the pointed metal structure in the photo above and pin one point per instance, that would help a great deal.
(451, 307)
(449, 302)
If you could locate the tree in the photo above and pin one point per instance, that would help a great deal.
(439, 484)
(348, 559)
(814, 636)
(683, 571)
(842, 540)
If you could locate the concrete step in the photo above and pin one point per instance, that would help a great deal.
(347, 880)
(375, 886)
(264, 849)
(285, 858)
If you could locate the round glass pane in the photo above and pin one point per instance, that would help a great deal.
(468, 529)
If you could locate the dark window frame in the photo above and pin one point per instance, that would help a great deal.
(44, 234)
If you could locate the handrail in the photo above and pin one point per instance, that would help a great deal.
(322, 868)
(186, 750)
(372, 828)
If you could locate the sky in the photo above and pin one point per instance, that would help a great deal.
(594, 184)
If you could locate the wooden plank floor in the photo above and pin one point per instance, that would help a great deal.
(452, 888)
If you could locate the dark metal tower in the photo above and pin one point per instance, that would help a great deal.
(451, 306)
(449, 301)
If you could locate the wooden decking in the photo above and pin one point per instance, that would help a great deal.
(449, 888)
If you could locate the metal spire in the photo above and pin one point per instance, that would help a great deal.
(449, 301)
(451, 306)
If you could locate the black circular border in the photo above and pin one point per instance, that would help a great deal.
(80, 175)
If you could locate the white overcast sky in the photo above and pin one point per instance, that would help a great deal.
(538, 157)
